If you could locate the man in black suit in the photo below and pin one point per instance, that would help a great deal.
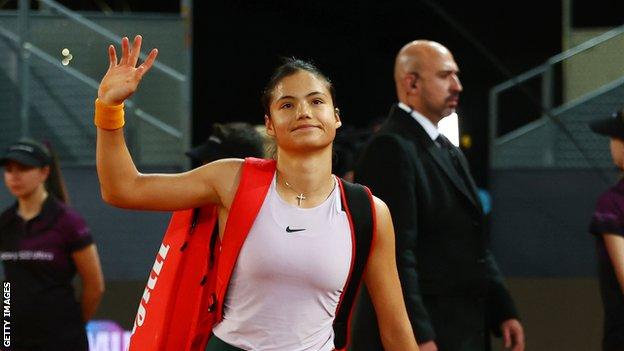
(452, 288)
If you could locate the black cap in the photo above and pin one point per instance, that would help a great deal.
(234, 139)
(208, 151)
(27, 152)
(612, 127)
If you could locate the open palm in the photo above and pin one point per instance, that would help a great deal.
(123, 77)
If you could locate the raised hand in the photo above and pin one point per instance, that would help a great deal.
(123, 77)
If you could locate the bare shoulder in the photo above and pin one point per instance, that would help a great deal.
(383, 219)
(227, 165)
(382, 212)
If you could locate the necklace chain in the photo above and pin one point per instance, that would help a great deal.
(301, 196)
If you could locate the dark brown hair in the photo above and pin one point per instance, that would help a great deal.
(55, 183)
(290, 66)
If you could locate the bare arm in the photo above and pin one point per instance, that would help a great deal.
(121, 183)
(615, 247)
(382, 280)
(90, 272)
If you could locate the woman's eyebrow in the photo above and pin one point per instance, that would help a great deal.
(308, 95)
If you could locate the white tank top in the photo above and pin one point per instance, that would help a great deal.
(288, 278)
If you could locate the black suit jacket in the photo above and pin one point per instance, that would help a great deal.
(452, 287)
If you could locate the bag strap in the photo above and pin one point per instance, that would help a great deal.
(357, 202)
(255, 179)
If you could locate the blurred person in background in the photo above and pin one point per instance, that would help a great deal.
(229, 140)
(607, 224)
(43, 243)
(347, 146)
(343, 161)
(454, 292)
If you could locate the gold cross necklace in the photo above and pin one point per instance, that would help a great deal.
(301, 196)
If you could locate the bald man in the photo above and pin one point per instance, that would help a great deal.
(453, 290)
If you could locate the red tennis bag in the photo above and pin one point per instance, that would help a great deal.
(176, 311)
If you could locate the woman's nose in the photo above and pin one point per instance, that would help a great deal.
(304, 110)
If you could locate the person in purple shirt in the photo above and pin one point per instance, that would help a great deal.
(607, 224)
(43, 243)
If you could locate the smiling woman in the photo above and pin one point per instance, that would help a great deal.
(301, 115)
(291, 276)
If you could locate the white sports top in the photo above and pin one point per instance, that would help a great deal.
(288, 278)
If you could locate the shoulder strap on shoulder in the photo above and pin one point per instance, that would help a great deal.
(256, 176)
(357, 202)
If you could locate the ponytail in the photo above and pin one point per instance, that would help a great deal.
(55, 183)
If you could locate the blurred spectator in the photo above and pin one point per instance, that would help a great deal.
(229, 140)
(347, 146)
(43, 243)
(607, 224)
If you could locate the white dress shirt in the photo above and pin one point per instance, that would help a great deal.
(430, 128)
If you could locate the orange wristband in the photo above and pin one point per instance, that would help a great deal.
(109, 117)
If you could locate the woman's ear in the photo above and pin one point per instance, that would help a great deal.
(45, 172)
(337, 114)
(268, 124)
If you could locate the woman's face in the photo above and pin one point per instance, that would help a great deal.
(22, 180)
(617, 152)
(303, 117)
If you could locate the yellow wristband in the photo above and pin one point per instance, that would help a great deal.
(108, 117)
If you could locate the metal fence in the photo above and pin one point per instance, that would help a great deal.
(53, 59)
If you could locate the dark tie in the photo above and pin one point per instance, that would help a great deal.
(453, 155)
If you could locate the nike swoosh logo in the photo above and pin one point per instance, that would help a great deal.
(288, 230)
